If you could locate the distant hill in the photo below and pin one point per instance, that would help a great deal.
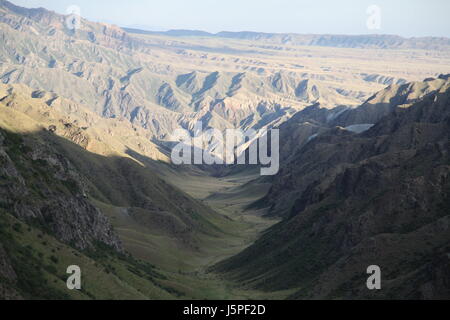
(173, 33)
(339, 41)
(161, 81)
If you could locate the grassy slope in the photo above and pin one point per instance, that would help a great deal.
(40, 262)
(120, 185)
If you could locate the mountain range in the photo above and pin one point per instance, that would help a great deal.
(354, 199)
(339, 41)
(86, 123)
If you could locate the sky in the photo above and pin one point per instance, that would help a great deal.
(408, 18)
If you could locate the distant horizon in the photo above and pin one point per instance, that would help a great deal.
(407, 19)
(156, 30)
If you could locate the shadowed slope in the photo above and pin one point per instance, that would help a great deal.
(380, 197)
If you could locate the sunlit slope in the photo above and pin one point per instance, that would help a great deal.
(162, 81)
(109, 173)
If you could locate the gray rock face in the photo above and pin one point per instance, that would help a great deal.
(6, 270)
(8, 277)
(384, 102)
(41, 186)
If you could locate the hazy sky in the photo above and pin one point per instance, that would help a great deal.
(402, 17)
